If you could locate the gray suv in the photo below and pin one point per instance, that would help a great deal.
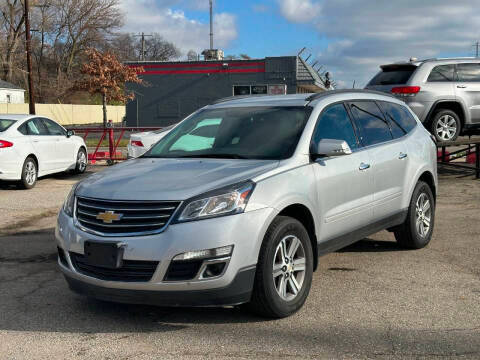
(237, 202)
(443, 93)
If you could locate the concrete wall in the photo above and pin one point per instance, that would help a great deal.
(16, 96)
(67, 114)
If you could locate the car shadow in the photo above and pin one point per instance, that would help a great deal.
(370, 245)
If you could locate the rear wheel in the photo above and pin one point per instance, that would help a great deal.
(284, 270)
(416, 231)
(29, 174)
(81, 165)
(446, 125)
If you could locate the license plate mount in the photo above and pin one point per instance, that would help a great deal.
(103, 254)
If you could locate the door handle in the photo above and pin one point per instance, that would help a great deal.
(461, 86)
(402, 155)
(364, 166)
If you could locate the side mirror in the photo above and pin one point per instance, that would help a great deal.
(70, 133)
(331, 147)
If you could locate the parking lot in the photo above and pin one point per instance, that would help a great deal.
(370, 300)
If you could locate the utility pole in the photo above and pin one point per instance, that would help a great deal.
(211, 24)
(142, 35)
(31, 100)
(477, 45)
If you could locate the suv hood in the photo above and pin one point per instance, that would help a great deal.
(169, 179)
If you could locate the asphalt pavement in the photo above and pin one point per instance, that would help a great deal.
(369, 300)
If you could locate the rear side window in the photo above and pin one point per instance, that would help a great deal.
(5, 124)
(393, 75)
(23, 129)
(442, 73)
(372, 126)
(468, 72)
(335, 123)
(401, 121)
(36, 127)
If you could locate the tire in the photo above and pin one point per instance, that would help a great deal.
(409, 234)
(81, 164)
(446, 125)
(266, 299)
(29, 173)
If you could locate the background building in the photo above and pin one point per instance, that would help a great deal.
(11, 94)
(173, 90)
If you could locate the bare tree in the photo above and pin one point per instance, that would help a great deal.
(12, 26)
(83, 23)
(192, 55)
(158, 49)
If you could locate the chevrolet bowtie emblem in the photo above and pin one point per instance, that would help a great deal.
(109, 216)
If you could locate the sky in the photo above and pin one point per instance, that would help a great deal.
(350, 38)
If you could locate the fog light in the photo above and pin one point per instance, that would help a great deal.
(214, 270)
(205, 254)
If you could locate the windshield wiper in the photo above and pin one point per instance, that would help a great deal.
(215, 156)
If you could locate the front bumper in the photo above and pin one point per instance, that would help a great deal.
(244, 231)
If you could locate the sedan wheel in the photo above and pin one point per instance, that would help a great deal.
(81, 165)
(29, 174)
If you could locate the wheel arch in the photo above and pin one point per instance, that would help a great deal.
(428, 178)
(452, 105)
(303, 214)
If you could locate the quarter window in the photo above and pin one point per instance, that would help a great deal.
(401, 121)
(468, 72)
(335, 123)
(373, 127)
(442, 73)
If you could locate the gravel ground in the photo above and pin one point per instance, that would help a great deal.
(369, 300)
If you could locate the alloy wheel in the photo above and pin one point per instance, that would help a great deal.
(423, 215)
(30, 173)
(446, 127)
(81, 161)
(289, 264)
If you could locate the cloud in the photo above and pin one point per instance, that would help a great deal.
(299, 11)
(365, 34)
(260, 8)
(186, 33)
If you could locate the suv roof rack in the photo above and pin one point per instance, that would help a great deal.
(345, 91)
(236, 97)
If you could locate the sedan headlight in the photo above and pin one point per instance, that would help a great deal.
(69, 203)
(221, 202)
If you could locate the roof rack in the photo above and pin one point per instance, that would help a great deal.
(236, 97)
(345, 91)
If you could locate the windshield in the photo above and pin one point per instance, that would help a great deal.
(393, 75)
(237, 133)
(5, 124)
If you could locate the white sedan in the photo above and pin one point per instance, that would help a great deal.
(141, 142)
(32, 146)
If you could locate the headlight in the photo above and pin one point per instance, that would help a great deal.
(226, 201)
(69, 203)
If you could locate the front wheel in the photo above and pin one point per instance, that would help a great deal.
(29, 174)
(416, 231)
(284, 270)
(81, 164)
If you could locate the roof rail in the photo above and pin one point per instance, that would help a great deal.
(345, 91)
(236, 97)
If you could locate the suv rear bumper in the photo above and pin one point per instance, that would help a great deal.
(238, 292)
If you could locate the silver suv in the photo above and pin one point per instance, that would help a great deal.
(443, 93)
(237, 202)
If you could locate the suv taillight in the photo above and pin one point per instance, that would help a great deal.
(5, 144)
(405, 90)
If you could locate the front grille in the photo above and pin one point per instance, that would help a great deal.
(183, 270)
(137, 217)
(131, 270)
